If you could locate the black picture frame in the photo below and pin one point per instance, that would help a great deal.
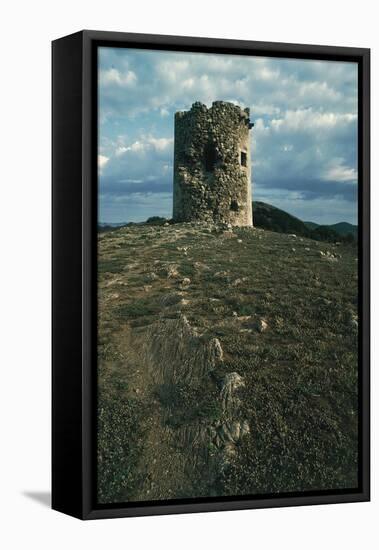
(74, 205)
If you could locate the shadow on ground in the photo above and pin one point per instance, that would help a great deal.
(41, 497)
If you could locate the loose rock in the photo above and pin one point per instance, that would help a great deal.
(262, 325)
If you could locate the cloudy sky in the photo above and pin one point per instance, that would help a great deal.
(304, 142)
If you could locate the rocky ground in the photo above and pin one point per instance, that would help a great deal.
(227, 363)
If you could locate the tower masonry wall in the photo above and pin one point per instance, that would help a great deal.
(212, 165)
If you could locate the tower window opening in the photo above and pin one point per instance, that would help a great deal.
(210, 157)
(243, 158)
(234, 206)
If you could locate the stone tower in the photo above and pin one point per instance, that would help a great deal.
(212, 167)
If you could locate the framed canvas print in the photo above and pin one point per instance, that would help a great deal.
(210, 274)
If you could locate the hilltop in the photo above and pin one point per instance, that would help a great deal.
(227, 362)
(272, 218)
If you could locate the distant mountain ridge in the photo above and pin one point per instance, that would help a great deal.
(272, 218)
(342, 228)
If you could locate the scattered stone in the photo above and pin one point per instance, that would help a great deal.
(354, 324)
(230, 432)
(239, 240)
(112, 282)
(244, 318)
(216, 349)
(328, 256)
(231, 382)
(230, 450)
(353, 321)
(170, 271)
(186, 281)
(152, 276)
(245, 428)
(239, 281)
(262, 325)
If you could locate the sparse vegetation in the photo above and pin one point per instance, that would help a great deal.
(299, 396)
(117, 448)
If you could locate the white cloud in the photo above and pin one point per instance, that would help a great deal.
(144, 144)
(309, 119)
(102, 160)
(310, 90)
(160, 144)
(172, 78)
(287, 147)
(113, 76)
(265, 73)
(258, 109)
(136, 146)
(141, 166)
(338, 171)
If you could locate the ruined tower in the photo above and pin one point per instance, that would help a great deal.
(212, 167)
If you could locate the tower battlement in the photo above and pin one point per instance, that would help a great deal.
(212, 165)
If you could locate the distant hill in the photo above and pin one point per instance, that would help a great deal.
(269, 217)
(344, 228)
(112, 224)
(272, 218)
(311, 225)
(105, 227)
(341, 228)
